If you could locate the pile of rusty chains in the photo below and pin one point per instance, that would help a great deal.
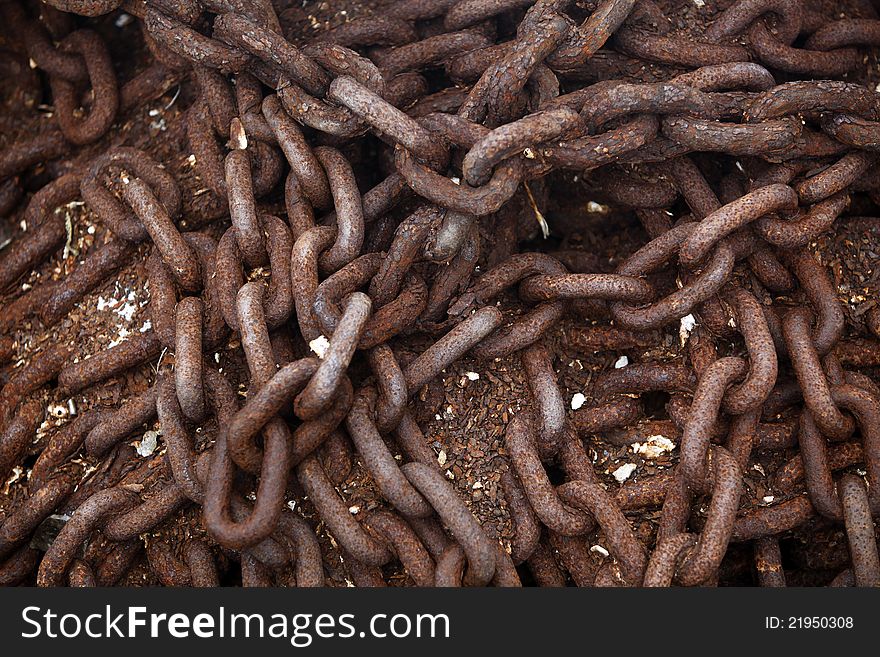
(476, 150)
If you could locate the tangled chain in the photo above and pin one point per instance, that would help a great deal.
(739, 138)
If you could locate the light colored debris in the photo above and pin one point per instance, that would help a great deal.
(119, 339)
(128, 308)
(58, 410)
(688, 323)
(319, 346)
(623, 473)
(147, 445)
(653, 447)
(17, 473)
(598, 549)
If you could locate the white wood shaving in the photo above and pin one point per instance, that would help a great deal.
(623, 472)
(688, 323)
(319, 346)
